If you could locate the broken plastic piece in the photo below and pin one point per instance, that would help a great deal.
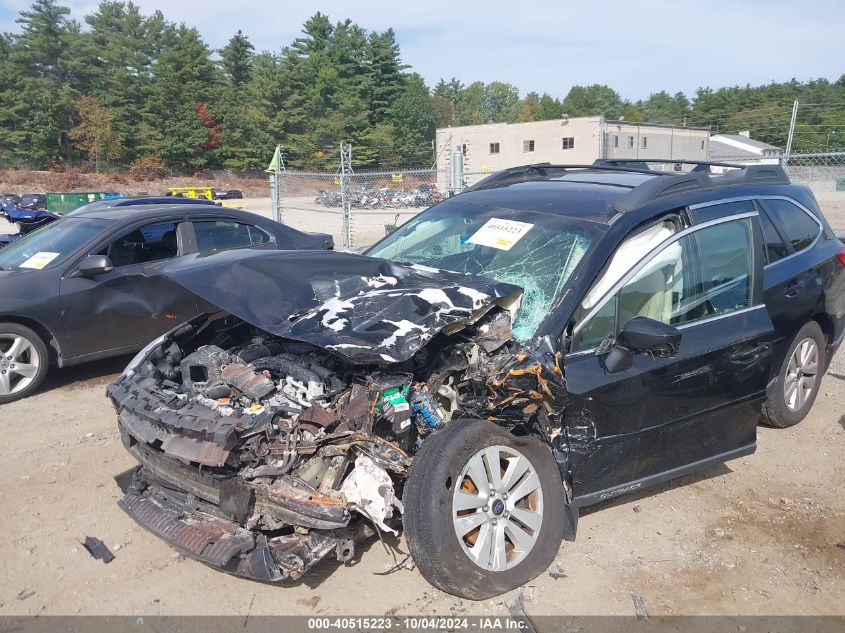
(370, 490)
(98, 549)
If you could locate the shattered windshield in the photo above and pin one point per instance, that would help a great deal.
(536, 251)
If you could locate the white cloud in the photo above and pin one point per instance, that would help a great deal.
(636, 46)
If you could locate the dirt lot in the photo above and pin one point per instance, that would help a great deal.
(23, 181)
(757, 536)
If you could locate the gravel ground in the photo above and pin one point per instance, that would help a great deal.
(756, 536)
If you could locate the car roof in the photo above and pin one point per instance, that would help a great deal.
(119, 213)
(585, 194)
(602, 191)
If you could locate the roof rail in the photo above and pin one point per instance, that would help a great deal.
(535, 171)
(699, 180)
(672, 183)
(634, 163)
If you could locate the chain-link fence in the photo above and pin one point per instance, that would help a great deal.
(823, 173)
(357, 209)
(360, 208)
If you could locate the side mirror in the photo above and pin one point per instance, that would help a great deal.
(642, 335)
(94, 265)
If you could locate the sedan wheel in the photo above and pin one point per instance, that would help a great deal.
(23, 361)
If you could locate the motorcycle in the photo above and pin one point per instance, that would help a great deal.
(328, 199)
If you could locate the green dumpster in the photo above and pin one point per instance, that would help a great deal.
(66, 202)
(840, 183)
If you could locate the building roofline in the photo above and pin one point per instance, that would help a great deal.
(597, 118)
(661, 125)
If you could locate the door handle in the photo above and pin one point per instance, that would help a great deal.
(749, 352)
(793, 288)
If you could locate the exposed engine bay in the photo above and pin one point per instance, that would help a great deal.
(261, 454)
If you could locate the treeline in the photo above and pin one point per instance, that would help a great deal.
(127, 89)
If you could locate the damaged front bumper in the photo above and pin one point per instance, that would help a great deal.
(262, 529)
(225, 544)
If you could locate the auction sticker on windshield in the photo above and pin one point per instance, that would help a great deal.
(501, 234)
(39, 260)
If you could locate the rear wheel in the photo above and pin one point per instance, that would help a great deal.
(799, 379)
(483, 509)
(23, 362)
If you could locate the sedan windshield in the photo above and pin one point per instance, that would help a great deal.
(51, 244)
(536, 251)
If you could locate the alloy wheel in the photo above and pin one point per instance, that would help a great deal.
(19, 363)
(801, 374)
(497, 508)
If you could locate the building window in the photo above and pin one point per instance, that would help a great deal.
(568, 142)
(494, 148)
(615, 140)
(630, 141)
(528, 146)
(702, 144)
(645, 142)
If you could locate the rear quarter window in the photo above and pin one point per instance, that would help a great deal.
(775, 248)
(797, 226)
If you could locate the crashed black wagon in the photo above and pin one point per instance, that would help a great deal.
(553, 338)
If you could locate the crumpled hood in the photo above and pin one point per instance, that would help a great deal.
(365, 309)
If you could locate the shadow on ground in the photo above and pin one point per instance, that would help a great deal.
(85, 375)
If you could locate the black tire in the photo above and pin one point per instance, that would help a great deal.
(776, 411)
(428, 519)
(39, 350)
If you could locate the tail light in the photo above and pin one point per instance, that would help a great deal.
(841, 257)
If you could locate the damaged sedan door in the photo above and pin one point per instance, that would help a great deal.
(123, 302)
(651, 414)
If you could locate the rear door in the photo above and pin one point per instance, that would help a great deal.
(664, 415)
(793, 287)
(132, 304)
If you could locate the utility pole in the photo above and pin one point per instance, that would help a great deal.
(345, 173)
(788, 151)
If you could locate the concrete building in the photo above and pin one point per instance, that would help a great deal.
(741, 148)
(492, 147)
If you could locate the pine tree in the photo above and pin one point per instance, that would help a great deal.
(37, 101)
(236, 59)
(415, 111)
(184, 76)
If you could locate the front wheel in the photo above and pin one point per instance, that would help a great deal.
(23, 362)
(799, 379)
(483, 509)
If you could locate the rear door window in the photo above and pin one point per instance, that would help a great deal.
(149, 243)
(221, 235)
(796, 224)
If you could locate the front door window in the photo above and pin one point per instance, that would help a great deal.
(704, 274)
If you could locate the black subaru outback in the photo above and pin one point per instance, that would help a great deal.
(554, 337)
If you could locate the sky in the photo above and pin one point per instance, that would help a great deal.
(636, 46)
